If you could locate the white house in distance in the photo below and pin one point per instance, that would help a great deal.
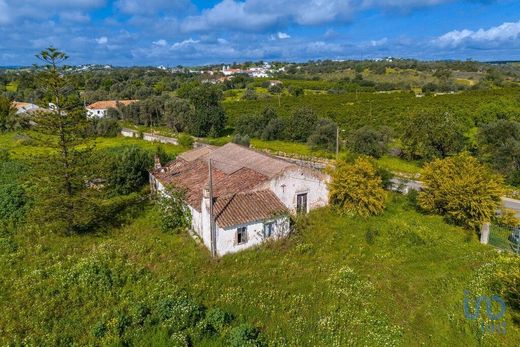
(253, 194)
(99, 109)
(24, 107)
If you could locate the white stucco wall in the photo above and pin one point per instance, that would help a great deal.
(296, 181)
(226, 238)
(96, 113)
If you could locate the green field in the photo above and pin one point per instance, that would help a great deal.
(20, 144)
(394, 280)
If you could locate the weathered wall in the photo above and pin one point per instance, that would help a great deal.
(298, 181)
(226, 238)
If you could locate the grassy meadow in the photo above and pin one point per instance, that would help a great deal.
(393, 280)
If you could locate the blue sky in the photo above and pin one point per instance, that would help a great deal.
(173, 32)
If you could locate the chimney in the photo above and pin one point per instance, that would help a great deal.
(157, 163)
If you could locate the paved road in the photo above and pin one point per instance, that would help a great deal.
(513, 205)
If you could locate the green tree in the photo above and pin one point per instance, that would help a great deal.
(357, 188)
(62, 176)
(178, 114)
(303, 122)
(7, 115)
(324, 137)
(462, 190)
(499, 145)
(370, 141)
(433, 134)
(209, 117)
(129, 170)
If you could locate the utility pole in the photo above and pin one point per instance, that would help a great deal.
(213, 236)
(337, 142)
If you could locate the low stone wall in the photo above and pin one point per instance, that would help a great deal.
(159, 138)
(149, 136)
(129, 132)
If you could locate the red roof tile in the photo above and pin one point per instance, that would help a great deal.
(247, 207)
(103, 105)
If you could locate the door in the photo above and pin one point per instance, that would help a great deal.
(301, 203)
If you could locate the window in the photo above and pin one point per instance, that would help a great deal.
(241, 235)
(301, 203)
(268, 229)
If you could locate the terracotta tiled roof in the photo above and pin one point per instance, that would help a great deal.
(103, 105)
(238, 176)
(232, 157)
(192, 177)
(247, 207)
(19, 104)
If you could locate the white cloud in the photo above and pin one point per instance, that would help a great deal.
(283, 36)
(381, 42)
(251, 15)
(74, 16)
(103, 40)
(138, 7)
(185, 43)
(494, 35)
(160, 42)
(4, 12)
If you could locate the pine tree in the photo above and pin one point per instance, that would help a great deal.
(64, 202)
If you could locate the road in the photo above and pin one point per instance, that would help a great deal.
(513, 205)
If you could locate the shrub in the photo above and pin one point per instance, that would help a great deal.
(185, 140)
(245, 335)
(462, 190)
(12, 203)
(242, 140)
(129, 170)
(174, 213)
(357, 188)
(250, 94)
(104, 127)
(218, 319)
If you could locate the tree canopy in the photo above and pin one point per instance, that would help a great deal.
(461, 189)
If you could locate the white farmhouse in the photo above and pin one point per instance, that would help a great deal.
(253, 194)
(99, 109)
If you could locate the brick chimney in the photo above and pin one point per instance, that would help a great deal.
(157, 163)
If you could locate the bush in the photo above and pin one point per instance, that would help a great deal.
(461, 189)
(250, 94)
(129, 170)
(13, 202)
(245, 335)
(175, 215)
(357, 188)
(185, 140)
(104, 127)
(218, 319)
(242, 140)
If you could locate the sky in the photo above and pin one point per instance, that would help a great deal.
(184, 32)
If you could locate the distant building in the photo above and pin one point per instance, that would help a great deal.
(228, 72)
(253, 194)
(24, 107)
(100, 108)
